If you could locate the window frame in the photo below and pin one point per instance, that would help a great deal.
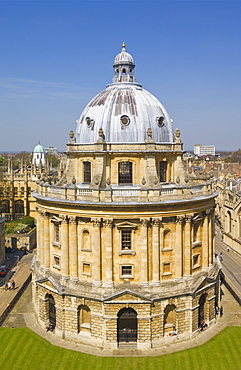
(125, 179)
(87, 172)
(131, 269)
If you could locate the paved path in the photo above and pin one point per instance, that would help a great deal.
(231, 264)
(21, 276)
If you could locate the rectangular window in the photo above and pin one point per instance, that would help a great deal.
(56, 232)
(86, 269)
(125, 173)
(166, 268)
(56, 262)
(126, 239)
(163, 171)
(87, 172)
(126, 270)
(196, 260)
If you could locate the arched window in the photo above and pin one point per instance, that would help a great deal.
(229, 222)
(201, 309)
(5, 206)
(83, 317)
(87, 172)
(22, 191)
(1, 192)
(15, 191)
(124, 72)
(19, 206)
(127, 325)
(86, 240)
(51, 309)
(169, 318)
(125, 172)
(163, 171)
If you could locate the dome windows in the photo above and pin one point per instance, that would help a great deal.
(89, 121)
(160, 121)
(125, 120)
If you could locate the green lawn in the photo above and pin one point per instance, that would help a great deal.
(22, 349)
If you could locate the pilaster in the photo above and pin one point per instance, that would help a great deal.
(179, 248)
(144, 252)
(97, 250)
(109, 254)
(187, 246)
(73, 248)
(155, 252)
(64, 235)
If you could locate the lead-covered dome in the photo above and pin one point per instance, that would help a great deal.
(124, 110)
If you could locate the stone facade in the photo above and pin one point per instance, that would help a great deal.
(229, 212)
(125, 243)
(2, 240)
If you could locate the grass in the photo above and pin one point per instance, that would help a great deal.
(22, 349)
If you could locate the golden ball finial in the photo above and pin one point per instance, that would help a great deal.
(123, 45)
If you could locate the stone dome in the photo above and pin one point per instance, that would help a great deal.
(123, 57)
(124, 110)
(38, 149)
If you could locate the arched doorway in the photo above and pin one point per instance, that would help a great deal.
(127, 325)
(201, 309)
(52, 310)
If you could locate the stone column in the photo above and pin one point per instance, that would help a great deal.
(97, 250)
(187, 246)
(155, 252)
(205, 241)
(40, 231)
(38, 234)
(211, 229)
(46, 241)
(73, 248)
(179, 248)
(144, 252)
(64, 240)
(108, 252)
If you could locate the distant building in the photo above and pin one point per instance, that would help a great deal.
(201, 150)
(16, 186)
(38, 155)
(51, 150)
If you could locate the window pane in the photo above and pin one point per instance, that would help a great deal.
(125, 172)
(126, 270)
(87, 172)
(163, 170)
(126, 239)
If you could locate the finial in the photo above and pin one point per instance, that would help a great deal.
(123, 46)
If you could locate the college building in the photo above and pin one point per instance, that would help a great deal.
(125, 239)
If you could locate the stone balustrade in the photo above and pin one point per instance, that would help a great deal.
(138, 194)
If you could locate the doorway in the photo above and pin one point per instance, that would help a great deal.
(127, 325)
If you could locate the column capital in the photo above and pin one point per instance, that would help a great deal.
(144, 221)
(64, 219)
(109, 222)
(96, 222)
(72, 220)
(42, 213)
(156, 221)
(188, 218)
(180, 219)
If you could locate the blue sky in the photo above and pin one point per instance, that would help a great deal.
(56, 55)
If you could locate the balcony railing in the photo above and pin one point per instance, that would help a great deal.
(169, 193)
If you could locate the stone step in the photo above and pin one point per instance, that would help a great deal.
(125, 345)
